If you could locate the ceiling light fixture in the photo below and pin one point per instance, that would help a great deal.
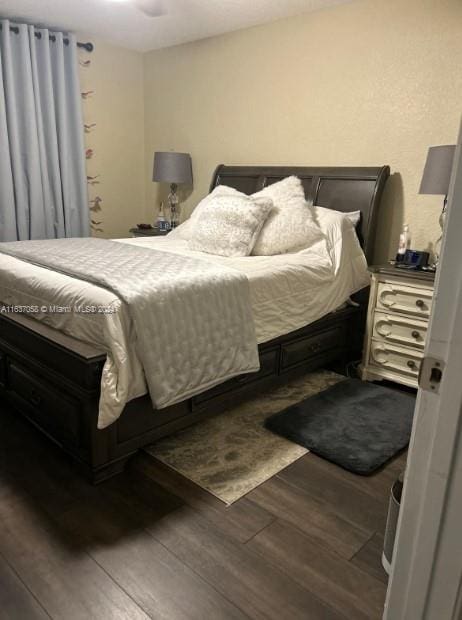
(152, 8)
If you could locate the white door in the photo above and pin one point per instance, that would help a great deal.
(426, 578)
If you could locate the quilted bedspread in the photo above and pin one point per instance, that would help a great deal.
(193, 323)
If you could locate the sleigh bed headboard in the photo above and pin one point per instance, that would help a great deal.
(341, 188)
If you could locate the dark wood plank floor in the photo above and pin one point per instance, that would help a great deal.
(150, 544)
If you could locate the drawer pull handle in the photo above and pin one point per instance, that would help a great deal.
(384, 327)
(35, 398)
(411, 364)
(416, 334)
(314, 348)
(385, 299)
(420, 303)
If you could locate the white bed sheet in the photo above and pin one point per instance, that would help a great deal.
(287, 292)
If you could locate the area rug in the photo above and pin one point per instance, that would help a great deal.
(232, 453)
(355, 424)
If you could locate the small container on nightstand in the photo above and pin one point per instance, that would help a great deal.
(397, 323)
(148, 232)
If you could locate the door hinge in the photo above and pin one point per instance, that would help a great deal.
(430, 374)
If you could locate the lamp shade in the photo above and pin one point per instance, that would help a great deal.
(172, 168)
(437, 171)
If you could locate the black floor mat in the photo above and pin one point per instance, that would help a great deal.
(355, 424)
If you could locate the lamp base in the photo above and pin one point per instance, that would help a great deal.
(174, 206)
(439, 241)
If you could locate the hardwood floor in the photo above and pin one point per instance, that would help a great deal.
(151, 544)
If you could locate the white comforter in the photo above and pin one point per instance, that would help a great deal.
(193, 319)
(287, 292)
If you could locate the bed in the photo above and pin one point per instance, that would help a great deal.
(54, 379)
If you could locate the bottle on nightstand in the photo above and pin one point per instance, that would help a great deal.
(162, 222)
(404, 243)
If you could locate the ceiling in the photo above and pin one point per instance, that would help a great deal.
(122, 23)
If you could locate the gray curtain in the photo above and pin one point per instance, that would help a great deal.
(43, 186)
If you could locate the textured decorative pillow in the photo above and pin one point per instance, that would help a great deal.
(185, 230)
(219, 190)
(229, 224)
(291, 226)
(182, 231)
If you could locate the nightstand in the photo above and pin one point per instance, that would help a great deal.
(148, 232)
(397, 323)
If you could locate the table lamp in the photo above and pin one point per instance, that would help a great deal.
(436, 176)
(173, 168)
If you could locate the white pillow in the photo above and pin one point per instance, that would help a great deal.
(323, 214)
(291, 226)
(354, 217)
(340, 230)
(184, 231)
(229, 224)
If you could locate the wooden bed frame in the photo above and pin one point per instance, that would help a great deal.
(54, 380)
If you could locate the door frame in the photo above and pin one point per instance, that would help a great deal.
(426, 576)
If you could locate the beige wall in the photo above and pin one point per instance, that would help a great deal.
(117, 107)
(366, 83)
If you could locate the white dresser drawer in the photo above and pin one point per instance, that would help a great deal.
(395, 358)
(408, 331)
(401, 298)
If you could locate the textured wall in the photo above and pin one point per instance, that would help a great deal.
(365, 83)
(114, 114)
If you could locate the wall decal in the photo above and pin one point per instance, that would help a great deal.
(94, 226)
(96, 204)
(89, 127)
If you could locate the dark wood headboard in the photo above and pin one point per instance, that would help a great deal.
(343, 189)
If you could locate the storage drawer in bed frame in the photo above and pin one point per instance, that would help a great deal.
(269, 365)
(321, 345)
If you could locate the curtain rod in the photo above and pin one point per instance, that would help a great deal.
(89, 47)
